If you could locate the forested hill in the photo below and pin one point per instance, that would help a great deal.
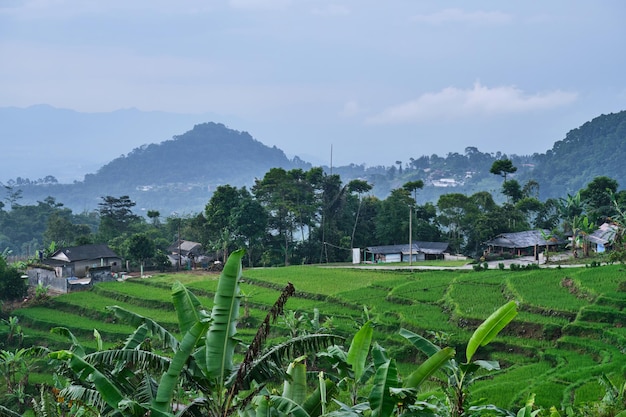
(210, 153)
(597, 148)
(177, 175)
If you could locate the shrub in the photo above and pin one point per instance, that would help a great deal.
(12, 286)
(501, 266)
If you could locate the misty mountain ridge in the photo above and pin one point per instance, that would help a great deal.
(180, 174)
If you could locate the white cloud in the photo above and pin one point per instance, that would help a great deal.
(454, 103)
(458, 15)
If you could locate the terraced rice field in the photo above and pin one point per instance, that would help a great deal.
(570, 330)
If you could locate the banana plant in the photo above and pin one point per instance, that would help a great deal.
(135, 381)
(367, 368)
(459, 376)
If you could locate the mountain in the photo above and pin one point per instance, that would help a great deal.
(597, 148)
(176, 175)
(210, 154)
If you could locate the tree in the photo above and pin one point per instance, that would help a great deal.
(597, 198)
(359, 187)
(60, 228)
(454, 209)
(570, 210)
(412, 187)
(154, 216)
(249, 222)
(140, 248)
(503, 167)
(392, 221)
(512, 190)
(116, 216)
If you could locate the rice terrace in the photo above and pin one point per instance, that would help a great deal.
(566, 341)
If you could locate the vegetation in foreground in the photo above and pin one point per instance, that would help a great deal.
(545, 350)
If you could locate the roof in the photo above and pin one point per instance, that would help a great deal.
(185, 246)
(522, 239)
(424, 247)
(83, 252)
(604, 235)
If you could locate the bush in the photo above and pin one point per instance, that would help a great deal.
(12, 286)
(501, 266)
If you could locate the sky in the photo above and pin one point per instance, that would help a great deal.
(355, 81)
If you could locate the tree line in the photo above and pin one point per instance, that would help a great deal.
(302, 216)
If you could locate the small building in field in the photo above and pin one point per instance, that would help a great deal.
(420, 251)
(603, 238)
(527, 243)
(76, 261)
(183, 253)
(76, 268)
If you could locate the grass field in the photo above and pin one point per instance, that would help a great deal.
(569, 331)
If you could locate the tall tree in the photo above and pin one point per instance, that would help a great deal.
(392, 222)
(116, 217)
(597, 198)
(454, 209)
(140, 248)
(357, 186)
(503, 167)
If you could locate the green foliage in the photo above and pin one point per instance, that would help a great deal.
(12, 285)
(503, 167)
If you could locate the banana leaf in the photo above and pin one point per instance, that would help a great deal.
(313, 404)
(220, 341)
(429, 367)
(169, 380)
(359, 349)
(77, 347)
(294, 386)
(381, 401)
(87, 372)
(490, 328)
(137, 320)
(422, 344)
(188, 307)
(287, 407)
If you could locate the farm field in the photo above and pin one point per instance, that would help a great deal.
(569, 331)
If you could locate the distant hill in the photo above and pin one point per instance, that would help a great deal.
(177, 175)
(210, 154)
(597, 148)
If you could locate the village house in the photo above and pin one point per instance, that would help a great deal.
(420, 251)
(76, 267)
(527, 243)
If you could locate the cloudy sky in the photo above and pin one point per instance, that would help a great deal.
(378, 81)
